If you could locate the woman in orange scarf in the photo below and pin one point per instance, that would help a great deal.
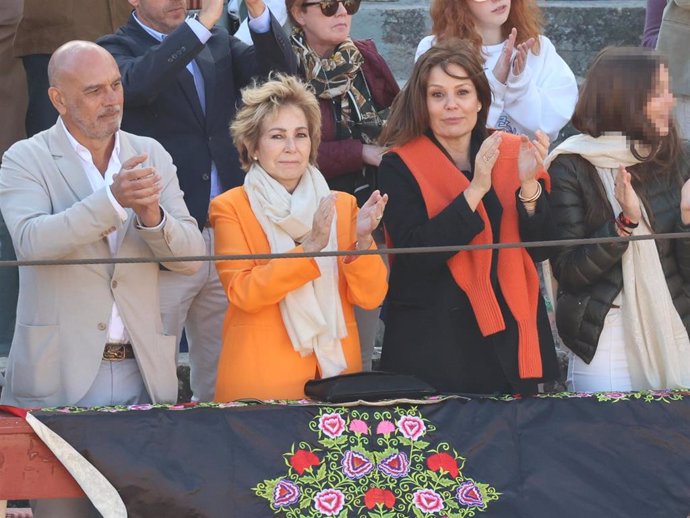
(470, 321)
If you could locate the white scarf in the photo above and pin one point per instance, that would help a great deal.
(657, 343)
(312, 313)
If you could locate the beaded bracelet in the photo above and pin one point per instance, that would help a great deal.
(626, 222)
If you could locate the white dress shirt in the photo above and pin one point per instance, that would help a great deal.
(116, 328)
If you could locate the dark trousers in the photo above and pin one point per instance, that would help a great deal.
(41, 114)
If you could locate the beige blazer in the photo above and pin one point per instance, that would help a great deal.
(63, 311)
(47, 24)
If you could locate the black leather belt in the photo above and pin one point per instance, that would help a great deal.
(118, 352)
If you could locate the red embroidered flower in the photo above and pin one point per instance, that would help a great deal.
(439, 461)
(376, 496)
(302, 460)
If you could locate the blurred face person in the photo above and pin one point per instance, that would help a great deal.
(323, 33)
(87, 93)
(489, 14)
(284, 145)
(452, 103)
(659, 106)
(161, 15)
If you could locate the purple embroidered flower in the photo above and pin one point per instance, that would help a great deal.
(427, 501)
(396, 465)
(385, 428)
(359, 426)
(285, 493)
(356, 465)
(411, 427)
(329, 501)
(332, 425)
(469, 494)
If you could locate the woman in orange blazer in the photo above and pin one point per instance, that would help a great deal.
(289, 320)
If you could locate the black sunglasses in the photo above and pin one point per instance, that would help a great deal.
(330, 7)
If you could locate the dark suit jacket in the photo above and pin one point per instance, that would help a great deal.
(161, 100)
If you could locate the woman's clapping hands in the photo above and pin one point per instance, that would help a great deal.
(369, 217)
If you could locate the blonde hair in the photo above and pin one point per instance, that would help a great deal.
(262, 102)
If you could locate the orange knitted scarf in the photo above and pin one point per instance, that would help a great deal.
(440, 183)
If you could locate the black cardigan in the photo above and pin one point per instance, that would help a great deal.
(431, 330)
(590, 276)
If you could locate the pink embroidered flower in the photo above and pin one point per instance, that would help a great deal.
(396, 465)
(329, 501)
(359, 426)
(285, 493)
(469, 494)
(332, 425)
(356, 465)
(411, 427)
(146, 406)
(427, 501)
(385, 428)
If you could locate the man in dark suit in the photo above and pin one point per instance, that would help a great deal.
(182, 79)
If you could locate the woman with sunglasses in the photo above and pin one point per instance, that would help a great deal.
(533, 88)
(355, 87)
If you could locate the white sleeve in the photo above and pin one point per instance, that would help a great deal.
(277, 9)
(424, 45)
(498, 92)
(544, 95)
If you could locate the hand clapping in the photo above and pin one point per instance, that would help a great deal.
(626, 195)
(139, 189)
(321, 226)
(369, 217)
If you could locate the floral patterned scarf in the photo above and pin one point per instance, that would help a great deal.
(340, 79)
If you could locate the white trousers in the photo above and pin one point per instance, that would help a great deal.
(196, 303)
(608, 370)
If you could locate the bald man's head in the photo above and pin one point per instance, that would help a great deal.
(86, 90)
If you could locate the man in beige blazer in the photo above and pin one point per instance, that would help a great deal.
(66, 314)
(91, 334)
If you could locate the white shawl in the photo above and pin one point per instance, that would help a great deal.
(312, 313)
(657, 343)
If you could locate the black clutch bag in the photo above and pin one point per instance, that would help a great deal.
(368, 386)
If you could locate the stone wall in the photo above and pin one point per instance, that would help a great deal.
(578, 28)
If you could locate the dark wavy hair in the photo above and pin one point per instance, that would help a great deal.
(409, 116)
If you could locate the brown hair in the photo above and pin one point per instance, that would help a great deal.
(290, 5)
(616, 90)
(613, 97)
(262, 102)
(453, 19)
(409, 116)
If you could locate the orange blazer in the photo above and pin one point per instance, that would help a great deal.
(257, 358)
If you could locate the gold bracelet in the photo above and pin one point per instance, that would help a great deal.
(532, 198)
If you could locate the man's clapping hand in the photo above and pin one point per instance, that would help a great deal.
(139, 188)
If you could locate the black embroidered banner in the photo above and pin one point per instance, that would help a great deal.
(566, 455)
